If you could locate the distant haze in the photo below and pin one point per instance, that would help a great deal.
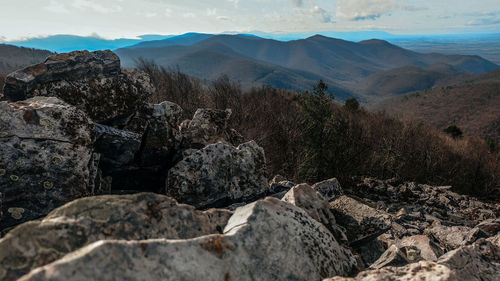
(113, 19)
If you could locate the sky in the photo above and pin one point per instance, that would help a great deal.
(110, 19)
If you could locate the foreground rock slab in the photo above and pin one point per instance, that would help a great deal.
(46, 158)
(87, 220)
(265, 240)
(219, 175)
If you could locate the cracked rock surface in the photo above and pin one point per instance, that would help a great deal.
(46, 158)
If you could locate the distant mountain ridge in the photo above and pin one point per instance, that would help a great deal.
(68, 43)
(13, 58)
(297, 64)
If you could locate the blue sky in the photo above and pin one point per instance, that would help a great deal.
(128, 18)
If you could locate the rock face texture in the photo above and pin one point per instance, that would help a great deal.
(252, 248)
(91, 81)
(46, 158)
(218, 174)
(84, 221)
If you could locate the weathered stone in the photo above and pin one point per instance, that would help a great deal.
(420, 247)
(452, 237)
(490, 226)
(87, 220)
(422, 271)
(45, 160)
(329, 189)
(118, 148)
(154, 147)
(279, 185)
(392, 257)
(360, 220)
(91, 81)
(219, 175)
(476, 262)
(265, 240)
(303, 196)
(208, 126)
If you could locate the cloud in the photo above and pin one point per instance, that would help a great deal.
(311, 9)
(211, 12)
(297, 3)
(95, 6)
(189, 15)
(323, 15)
(356, 10)
(56, 7)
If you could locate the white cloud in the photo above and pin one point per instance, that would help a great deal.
(211, 12)
(189, 15)
(56, 7)
(370, 9)
(95, 6)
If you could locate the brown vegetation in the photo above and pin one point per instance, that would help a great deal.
(343, 143)
(2, 81)
(471, 105)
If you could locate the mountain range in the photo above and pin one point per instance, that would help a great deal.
(366, 69)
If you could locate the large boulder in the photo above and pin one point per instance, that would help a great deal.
(219, 175)
(452, 237)
(87, 220)
(265, 240)
(91, 81)
(46, 158)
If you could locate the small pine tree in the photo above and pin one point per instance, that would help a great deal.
(454, 131)
(352, 104)
(317, 112)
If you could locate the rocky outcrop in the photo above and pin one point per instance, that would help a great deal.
(46, 158)
(252, 248)
(476, 262)
(84, 221)
(91, 81)
(219, 175)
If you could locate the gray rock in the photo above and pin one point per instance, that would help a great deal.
(46, 158)
(452, 237)
(490, 226)
(476, 262)
(265, 240)
(303, 196)
(420, 247)
(392, 257)
(360, 220)
(329, 189)
(87, 220)
(422, 271)
(91, 81)
(208, 126)
(219, 175)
